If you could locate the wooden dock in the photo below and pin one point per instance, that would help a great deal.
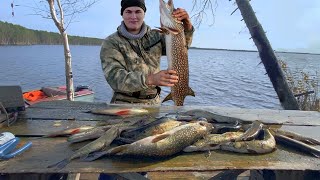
(42, 118)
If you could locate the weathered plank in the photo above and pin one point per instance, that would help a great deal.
(39, 127)
(48, 151)
(191, 175)
(66, 110)
(34, 128)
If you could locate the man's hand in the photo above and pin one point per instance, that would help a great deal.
(182, 15)
(163, 78)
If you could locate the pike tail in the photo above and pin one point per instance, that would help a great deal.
(169, 96)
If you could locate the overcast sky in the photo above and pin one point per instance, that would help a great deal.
(291, 25)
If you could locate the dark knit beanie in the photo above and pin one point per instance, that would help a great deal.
(129, 3)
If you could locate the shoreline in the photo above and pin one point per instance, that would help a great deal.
(194, 48)
(239, 50)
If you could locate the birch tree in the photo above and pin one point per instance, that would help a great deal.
(57, 14)
(63, 13)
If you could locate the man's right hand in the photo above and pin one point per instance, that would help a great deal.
(163, 78)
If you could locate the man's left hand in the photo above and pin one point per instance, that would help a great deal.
(182, 15)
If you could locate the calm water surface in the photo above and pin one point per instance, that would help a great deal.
(219, 78)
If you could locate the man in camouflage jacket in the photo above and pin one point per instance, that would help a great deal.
(130, 57)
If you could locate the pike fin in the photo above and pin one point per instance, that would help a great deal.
(75, 131)
(169, 30)
(169, 97)
(159, 138)
(117, 149)
(191, 92)
(162, 30)
(123, 112)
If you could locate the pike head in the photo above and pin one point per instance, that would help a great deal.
(168, 23)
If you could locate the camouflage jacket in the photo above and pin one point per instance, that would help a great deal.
(126, 63)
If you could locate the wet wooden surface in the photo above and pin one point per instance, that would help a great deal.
(45, 117)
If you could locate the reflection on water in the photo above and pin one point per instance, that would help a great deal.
(219, 78)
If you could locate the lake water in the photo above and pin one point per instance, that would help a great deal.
(219, 78)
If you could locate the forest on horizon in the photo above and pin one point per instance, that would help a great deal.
(11, 34)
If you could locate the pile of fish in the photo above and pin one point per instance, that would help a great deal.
(191, 131)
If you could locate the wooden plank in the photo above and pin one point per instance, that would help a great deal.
(79, 111)
(34, 128)
(48, 151)
(65, 110)
(41, 127)
(63, 114)
(191, 175)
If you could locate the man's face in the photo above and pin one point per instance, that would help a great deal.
(133, 19)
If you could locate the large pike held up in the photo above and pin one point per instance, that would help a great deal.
(177, 53)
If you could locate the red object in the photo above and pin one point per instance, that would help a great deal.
(52, 93)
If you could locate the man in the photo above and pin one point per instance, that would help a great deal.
(130, 57)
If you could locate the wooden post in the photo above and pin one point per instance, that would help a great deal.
(268, 56)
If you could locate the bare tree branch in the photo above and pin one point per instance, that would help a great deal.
(200, 7)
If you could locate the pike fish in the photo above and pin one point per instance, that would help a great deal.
(210, 116)
(251, 132)
(89, 134)
(213, 141)
(69, 131)
(266, 145)
(177, 53)
(100, 143)
(158, 126)
(296, 136)
(121, 111)
(297, 145)
(161, 145)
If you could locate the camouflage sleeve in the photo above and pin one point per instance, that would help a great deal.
(189, 35)
(163, 44)
(116, 73)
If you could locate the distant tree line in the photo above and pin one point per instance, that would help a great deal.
(11, 34)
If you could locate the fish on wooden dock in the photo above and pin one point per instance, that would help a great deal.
(267, 144)
(158, 126)
(213, 141)
(252, 132)
(162, 145)
(93, 133)
(296, 136)
(93, 146)
(68, 131)
(177, 53)
(297, 145)
(121, 111)
(211, 117)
